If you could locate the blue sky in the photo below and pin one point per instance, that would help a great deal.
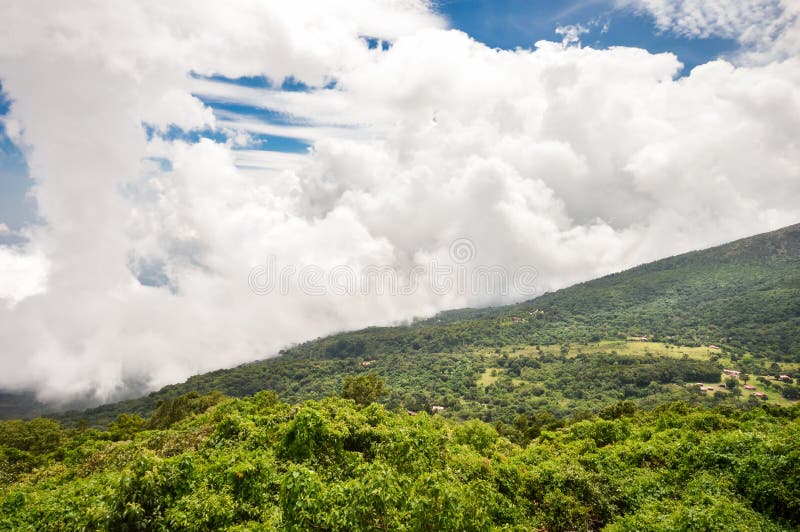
(520, 23)
(16, 208)
(504, 24)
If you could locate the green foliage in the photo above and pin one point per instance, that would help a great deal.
(37, 436)
(345, 348)
(363, 389)
(618, 410)
(126, 427)
(170, 411)
(262, 465)
(26, 444)
(476, 434)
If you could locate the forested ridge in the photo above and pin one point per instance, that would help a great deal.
(660, 398)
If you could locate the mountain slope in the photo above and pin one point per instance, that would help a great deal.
(743, 296)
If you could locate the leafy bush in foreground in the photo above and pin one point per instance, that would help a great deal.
(259, 464)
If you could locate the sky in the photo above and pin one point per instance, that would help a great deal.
(193, 185)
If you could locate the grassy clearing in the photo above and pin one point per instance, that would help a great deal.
(487, 379)
(620, 347)
(632, 347)
(773, 396)
(640, 348)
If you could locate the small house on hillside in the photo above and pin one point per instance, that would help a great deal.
(712, 346)
(785, 378)
(437, 408)
(760, 395)
(731, 372)
(749, 387)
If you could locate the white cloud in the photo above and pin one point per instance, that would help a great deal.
(571, 34)
(576, 161)
(23, 275)
(11, 128)
(177, 107)
(768, 29)
(704, 18)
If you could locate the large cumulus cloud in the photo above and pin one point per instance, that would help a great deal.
(574, 161)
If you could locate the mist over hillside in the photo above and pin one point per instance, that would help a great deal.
(743, 297)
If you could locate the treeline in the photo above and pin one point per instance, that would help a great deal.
(260, 464)
(538, 383)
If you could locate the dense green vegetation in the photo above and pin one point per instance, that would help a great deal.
(259, 464)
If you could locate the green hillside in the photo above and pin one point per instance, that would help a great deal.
(564, 353)
(550, 415)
